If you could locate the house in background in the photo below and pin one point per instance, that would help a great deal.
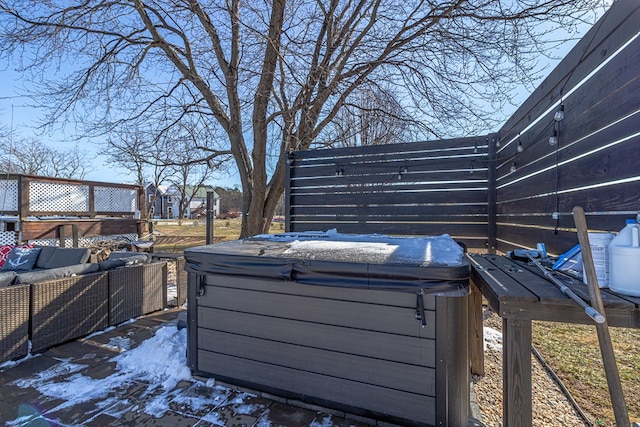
(198, 203)
(167, 201)
(162, 203)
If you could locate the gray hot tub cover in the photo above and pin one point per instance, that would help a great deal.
(428, 264)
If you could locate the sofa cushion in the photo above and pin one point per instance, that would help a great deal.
(110, 264)
(56, 273)
(131, 257)
(45, 255)
(63, 257)
(21, 259)
(6, 278)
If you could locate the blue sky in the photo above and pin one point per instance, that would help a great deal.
(17, 114)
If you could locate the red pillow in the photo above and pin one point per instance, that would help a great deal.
(6, 249)
(4, 253)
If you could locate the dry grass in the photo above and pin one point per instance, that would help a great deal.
(193, 233)
(574, 354)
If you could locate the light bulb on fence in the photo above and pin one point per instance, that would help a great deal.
(513, 167)
(553, 139)
(519, 147)
(559, 115)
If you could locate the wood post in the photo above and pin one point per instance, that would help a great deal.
(476, 332)
(516, 375)
(604, 338)
(75, 235)
(209, 216)
(62, 238)
(492, 194)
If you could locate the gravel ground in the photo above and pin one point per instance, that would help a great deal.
(550, 406)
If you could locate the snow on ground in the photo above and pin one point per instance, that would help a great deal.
(492, 338)
(159, 361)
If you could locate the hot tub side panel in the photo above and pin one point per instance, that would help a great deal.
(356, 350)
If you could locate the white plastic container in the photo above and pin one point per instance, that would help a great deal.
(624, 260)
(599, 243)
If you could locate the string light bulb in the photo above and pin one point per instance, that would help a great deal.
(553, 139)
(498, 143)
(514, 167)
(519, 147)
(559, 115)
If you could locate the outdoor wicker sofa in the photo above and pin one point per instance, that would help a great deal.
(57, 309)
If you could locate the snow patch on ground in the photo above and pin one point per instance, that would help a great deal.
(492, 339)
(159, 361)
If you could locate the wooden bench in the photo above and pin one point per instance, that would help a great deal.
(519, 293)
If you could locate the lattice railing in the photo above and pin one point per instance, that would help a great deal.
(58, 197)
(110, 199)
(26, 196)
(9, 195)
(7, 237)
(87, 242)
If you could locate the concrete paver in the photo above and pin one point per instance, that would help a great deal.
(189, 403)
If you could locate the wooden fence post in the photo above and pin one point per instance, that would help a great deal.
(209, 216)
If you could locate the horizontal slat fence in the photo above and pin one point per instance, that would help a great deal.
(506, 190)
(423, 188)
(595, 163)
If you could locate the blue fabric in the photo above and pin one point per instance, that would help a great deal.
(21, 259)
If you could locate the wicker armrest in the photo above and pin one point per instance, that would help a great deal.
(136, 290)
(14, 322)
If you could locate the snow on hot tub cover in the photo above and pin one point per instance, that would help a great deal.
(429, 264)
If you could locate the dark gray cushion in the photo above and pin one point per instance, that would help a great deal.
(21, 259)
(56, 273)
(110, 264)
(64, 257)
(45, 255)
(131, 257)
(6, 278)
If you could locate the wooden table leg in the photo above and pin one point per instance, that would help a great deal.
(476, 331)
(516, 377)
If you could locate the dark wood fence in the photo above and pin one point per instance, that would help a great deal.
(429, 188)
(511, 189)
(596, 162)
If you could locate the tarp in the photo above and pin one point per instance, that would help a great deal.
(363, 262)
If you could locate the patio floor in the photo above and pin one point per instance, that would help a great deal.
(193, 402)
(124, 406)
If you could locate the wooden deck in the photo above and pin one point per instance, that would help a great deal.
(520, 294)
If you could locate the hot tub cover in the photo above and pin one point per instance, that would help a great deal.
(427, 264)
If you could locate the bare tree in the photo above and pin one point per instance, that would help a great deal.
(272, 75)
(373, 116)
(32, 157)
(142, 154)
(188, 179)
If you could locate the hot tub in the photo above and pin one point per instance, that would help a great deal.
(370, 325)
